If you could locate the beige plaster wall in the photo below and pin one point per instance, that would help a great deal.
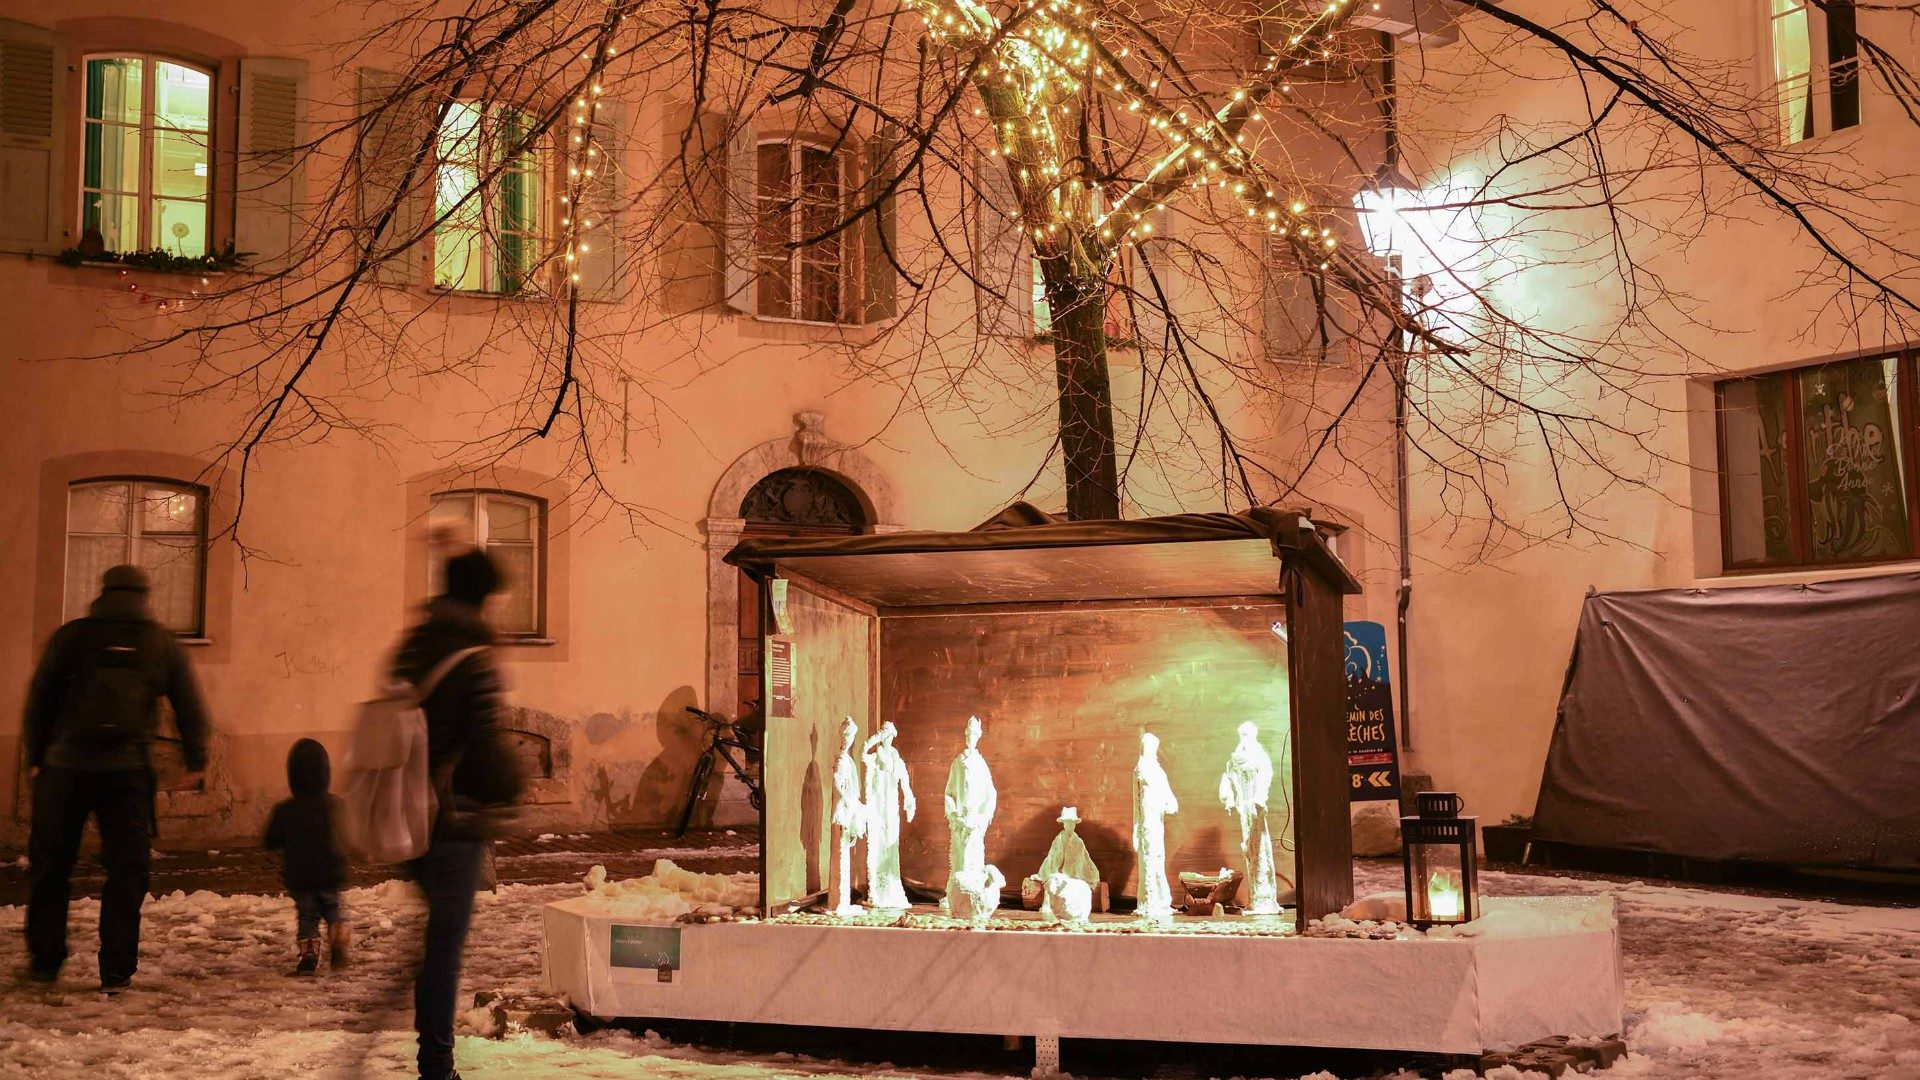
(1491, 636)
(334, 553)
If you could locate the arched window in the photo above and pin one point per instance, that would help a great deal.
(802, 195)
(147, 176)
(158, 525)
(513, 529)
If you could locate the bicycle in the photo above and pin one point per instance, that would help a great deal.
(724, 738)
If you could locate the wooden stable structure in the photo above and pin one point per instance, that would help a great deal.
(1067, 639)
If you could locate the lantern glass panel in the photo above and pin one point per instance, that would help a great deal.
(1439, 883)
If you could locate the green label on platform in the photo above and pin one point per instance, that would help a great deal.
(655, 948)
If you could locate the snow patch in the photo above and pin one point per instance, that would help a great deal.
(670, 892)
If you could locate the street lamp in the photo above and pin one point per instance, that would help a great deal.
(1382, 202)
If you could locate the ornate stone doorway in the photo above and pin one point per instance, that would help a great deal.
(804, 484)
(797, 501)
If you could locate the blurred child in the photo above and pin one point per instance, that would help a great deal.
(313, 867)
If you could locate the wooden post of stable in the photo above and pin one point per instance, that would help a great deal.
(1317, 687)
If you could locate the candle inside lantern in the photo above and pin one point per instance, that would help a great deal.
(1443, 895)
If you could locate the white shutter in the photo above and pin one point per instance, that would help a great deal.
(601, 213)
(270, 188)
(742, 211)
(385, 155)
(880, 245)
(33, 100)
(1002, 260)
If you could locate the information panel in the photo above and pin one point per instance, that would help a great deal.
(1372, 757)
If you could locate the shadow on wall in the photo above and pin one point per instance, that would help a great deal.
(629, 792)
(812, 815)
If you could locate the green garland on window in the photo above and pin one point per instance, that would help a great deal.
(160, 260)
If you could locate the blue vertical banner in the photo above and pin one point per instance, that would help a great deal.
(1372, 756)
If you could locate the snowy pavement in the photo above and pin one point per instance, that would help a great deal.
(1719, 987)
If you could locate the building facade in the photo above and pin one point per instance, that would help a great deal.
(752, 407)
(762, 395)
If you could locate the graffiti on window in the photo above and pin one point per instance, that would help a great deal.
(1856, 490)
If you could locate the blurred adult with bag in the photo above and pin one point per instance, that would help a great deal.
(92, 713)
(476, 780)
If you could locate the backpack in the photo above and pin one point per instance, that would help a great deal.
(110, 703)
(388, 803)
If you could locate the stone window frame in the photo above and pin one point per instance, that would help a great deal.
(185, 43)
(557, 558)
(215, 645)
(808, 447)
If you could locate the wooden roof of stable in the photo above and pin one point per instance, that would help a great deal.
(1023, 555)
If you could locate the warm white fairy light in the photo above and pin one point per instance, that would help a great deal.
(1030, 67)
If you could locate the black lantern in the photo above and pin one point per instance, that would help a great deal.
(1443, 887)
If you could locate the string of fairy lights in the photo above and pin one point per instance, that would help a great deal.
(1030, 69)
(584, 158)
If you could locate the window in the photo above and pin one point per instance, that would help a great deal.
(512, 529)
(801, 194)
(1817, 465)
(1816, 67)
(146, 176)
(1042, 307)
(158, 525)
(487, 199)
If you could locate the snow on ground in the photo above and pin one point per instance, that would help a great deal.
(1719, 987)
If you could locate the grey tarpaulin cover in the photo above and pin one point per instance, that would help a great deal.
(1776, 724)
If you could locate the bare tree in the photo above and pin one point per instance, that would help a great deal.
(1181, 176)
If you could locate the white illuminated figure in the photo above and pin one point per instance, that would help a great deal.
(849, 822)
(970, 802)
(974, 895)
(1068, 856)
(1153, 802)
(888, 794)
(1244, 788)
(1068, 900)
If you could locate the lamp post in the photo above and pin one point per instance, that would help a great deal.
(1381, 202)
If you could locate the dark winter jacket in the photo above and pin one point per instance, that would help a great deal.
(118, 621)
(465, 717)
(303, 826)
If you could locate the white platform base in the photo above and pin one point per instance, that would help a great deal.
(1459, 995)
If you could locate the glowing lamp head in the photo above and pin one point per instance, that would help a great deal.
(1380, 202)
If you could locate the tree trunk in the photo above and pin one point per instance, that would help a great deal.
(1086, 396)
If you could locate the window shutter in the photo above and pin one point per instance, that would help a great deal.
(270, 189)
(1002, 261)
(32, 125)
(742, 209)
(602, 202)
(880, 244)
(391, 140)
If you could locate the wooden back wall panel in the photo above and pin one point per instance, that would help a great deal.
(832, 665)
(1064, 694)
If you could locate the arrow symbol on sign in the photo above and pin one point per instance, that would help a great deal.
(1378, 779)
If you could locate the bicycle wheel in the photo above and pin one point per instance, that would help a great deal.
(702, 769)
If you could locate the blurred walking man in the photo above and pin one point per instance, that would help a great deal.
(92, 711)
